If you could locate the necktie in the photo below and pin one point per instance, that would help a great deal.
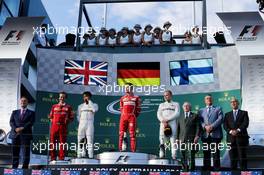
(208, 111)
(186, 115)
(235, 114)
(22, 114)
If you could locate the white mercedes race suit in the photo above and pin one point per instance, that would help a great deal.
(85, 116)
(168, 111)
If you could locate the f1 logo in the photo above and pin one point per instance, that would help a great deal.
(250, 30)
(14, 33)
(122, 159)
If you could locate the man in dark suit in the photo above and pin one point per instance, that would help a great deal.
(236, 124)
(211, 118)
(188, 131)
(21, 123)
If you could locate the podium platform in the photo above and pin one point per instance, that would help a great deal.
(125, 158)
(59, 162)
(83, 161)
(163, 162)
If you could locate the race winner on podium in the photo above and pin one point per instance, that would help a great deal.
(130, 109)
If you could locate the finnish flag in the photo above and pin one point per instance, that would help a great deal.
(190, 72)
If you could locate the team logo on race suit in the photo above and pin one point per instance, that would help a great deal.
(114, 108)
(249, 33)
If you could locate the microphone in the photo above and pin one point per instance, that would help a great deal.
(86, 101)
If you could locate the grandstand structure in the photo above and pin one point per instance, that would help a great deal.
(84, 13)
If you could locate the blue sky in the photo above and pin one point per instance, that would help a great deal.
(65, 13)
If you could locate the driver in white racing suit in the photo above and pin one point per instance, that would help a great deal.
(167, 114)
(85, 116)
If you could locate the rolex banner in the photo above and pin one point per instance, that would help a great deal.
(106, 122)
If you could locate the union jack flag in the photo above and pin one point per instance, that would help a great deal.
(13, 172)
(99, 173)
(82, 72)
(70, 172)
(221, 173)
(40, 172)
(190, 173)
(251, 173)
(129, 173)
(159, 173)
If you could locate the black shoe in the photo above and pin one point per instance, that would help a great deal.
(216, 168)
(205, 168)
(185, 168)
(25, 167)
(192, 169)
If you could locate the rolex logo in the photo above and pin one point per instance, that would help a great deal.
(107, 119)
(107, 141)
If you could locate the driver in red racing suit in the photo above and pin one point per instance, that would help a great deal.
(60, 116)
(130, 109)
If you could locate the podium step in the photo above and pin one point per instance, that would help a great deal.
(81, 161)
(59, 162)
(163, 162)
(124, 158)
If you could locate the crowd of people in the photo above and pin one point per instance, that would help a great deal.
(137, 36)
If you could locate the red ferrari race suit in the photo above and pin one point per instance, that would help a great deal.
(130, 109)
(61, 115)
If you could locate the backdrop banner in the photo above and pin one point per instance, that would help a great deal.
(9, 89)
(107, 120)
(16, 36)
(198, 73)
(252, 93)
(76, 72)
(247, 30)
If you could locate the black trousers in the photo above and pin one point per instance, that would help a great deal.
(188, 160)
(215, 152)
(25, 145)
(238, 154)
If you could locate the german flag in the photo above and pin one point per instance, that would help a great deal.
(138, 73)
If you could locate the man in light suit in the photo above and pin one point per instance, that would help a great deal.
(211, 118)
(21, 122)
(236, 124)
(188, 131)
